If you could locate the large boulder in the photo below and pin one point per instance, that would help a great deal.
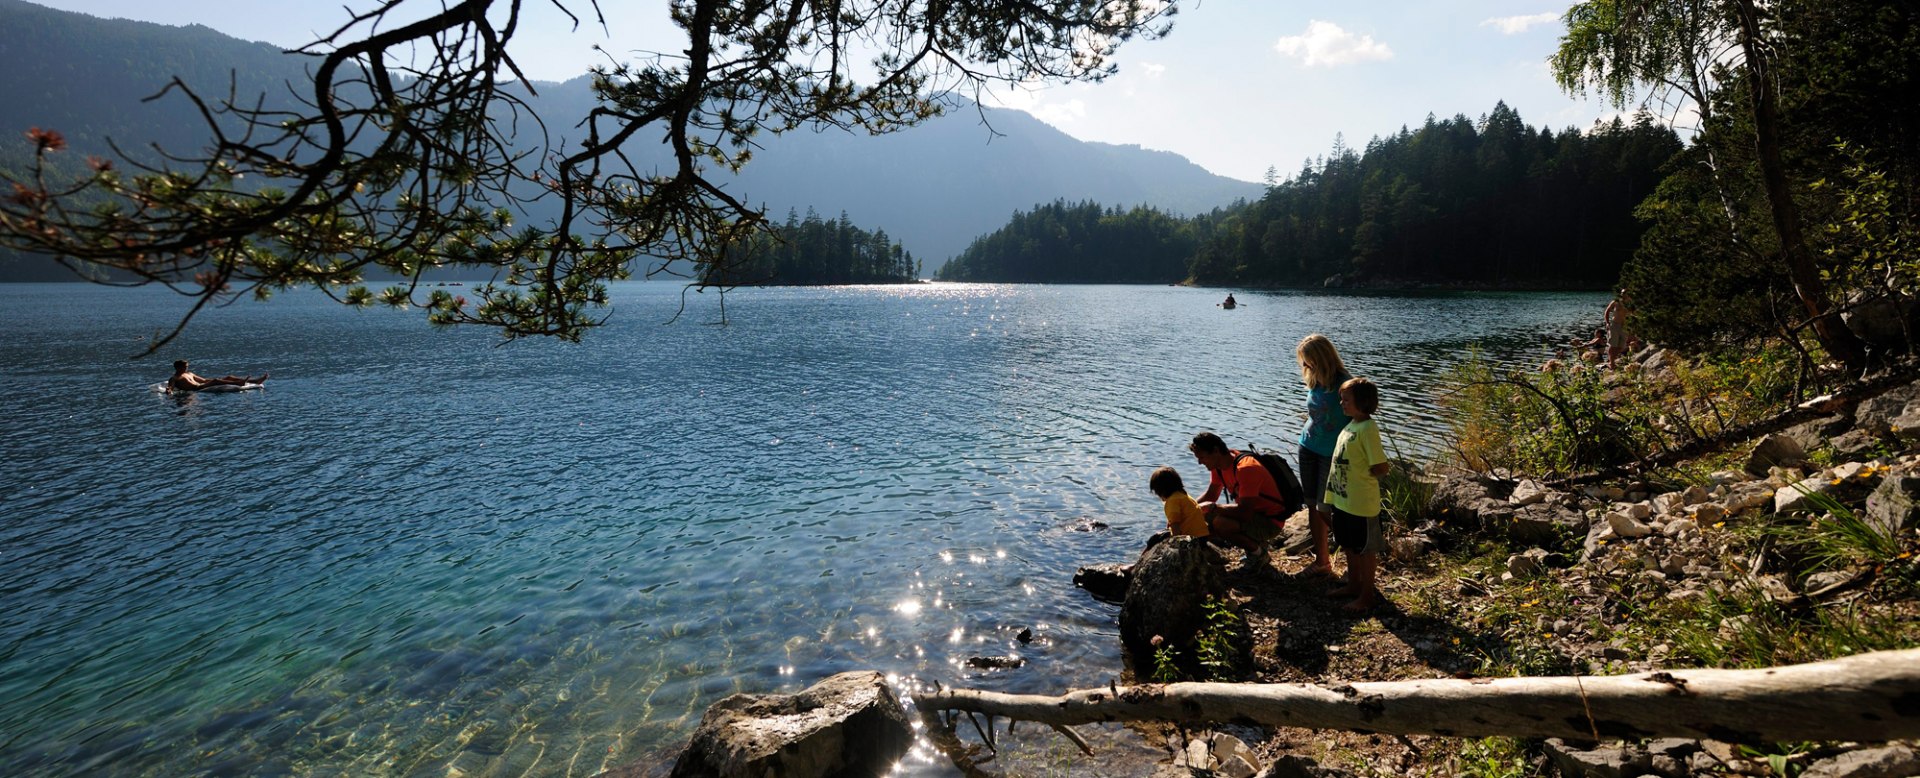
(1467, 502)
(1545, 524)
(1885, 323)
(1169, 586)
(850, 724)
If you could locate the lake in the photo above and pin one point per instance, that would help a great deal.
(421, 551)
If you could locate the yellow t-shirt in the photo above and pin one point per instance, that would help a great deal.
(1351, 484)
(1184, 516)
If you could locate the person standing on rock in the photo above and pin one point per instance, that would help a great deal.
(1353, 487)
(1323, 372)
(1617, 337)
(1257, 511)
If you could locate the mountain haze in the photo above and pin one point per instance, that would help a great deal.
(934, 187)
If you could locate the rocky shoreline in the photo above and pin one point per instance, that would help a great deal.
(1587, 556)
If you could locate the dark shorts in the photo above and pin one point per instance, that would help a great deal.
(1314, 467)
(1357, 534)
(1262, 528)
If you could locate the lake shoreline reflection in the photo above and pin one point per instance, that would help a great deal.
(420, 551)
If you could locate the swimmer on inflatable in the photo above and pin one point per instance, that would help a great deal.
(185, 380)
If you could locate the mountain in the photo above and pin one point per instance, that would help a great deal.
(933, 187)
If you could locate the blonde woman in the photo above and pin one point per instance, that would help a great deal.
(1323, 372)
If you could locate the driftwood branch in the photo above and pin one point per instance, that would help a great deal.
(1868, 697)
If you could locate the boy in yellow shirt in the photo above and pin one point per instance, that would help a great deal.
(1184, 516)
(1353, 489)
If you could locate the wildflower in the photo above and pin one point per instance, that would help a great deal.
(46, 140)
(1719, 524)
(99, 164)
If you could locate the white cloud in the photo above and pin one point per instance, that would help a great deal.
(1061, 113)
(1153, 69)
(1324, 43)
(1514, 25)
(1042, 100)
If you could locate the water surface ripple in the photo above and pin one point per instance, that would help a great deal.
(419, 551)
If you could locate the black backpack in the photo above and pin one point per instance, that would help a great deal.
(1291, 492)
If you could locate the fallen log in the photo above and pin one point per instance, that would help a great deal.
(1867, 697)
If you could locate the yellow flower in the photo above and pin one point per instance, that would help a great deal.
(1719, 524)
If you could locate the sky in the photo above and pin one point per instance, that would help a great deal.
(1240, 86)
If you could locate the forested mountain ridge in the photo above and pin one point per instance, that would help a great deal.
(933, 187)
(1492, 201)
(1456, 202)
(1080, 243)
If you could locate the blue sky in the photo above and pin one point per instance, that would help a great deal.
(1239, 86)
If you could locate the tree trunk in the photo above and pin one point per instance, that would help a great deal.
(1868, 697)
(1834, 336)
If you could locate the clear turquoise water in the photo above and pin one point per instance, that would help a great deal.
(419, 551)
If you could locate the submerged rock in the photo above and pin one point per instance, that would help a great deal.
(850, 724)
(1105, 582)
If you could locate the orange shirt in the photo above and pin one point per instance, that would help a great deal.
(1249, 479)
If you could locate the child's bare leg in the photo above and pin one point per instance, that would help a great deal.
(1317, 523)
(1363, 569)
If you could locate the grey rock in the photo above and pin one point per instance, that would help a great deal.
(1624, 526)
(1544, 524)
(1528, 564)
(1815, 434)
(1706, 513)
(1794, 497)
(1854, 444)
(1605, 492)
(1748, 497)
(848, 724)
(1694, 495)
(1296, 766)
(1612, 761)
(1885, 323)
(1895, 504)
(1673, 746)
(1824, 582)
(1458, 501)
(1171, 583)
(1779, 449)
(1875, 415)
(1528, 492)
(1406, 548)
(1895, 761)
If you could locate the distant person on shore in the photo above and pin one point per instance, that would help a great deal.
(1592, 348)
(1617, 336)
(1184, 517)
(185, 380)
(1322, 370)
(1354, 490)
(1256, 510)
